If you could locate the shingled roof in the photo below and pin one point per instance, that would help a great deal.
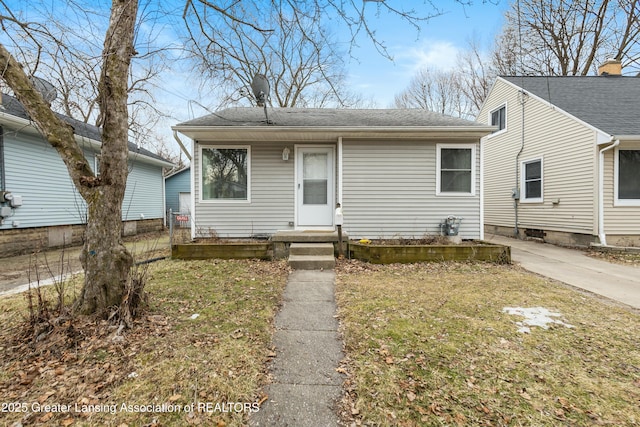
(12, 106)
(329, 118)
(609, 103)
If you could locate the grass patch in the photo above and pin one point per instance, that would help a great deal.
(429, 344)
(617, 257)
(205, 338)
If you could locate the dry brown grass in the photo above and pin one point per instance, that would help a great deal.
(429, 344)
(171, 357)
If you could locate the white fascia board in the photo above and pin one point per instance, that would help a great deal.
(298, 133)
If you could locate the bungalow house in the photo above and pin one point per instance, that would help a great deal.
(40, 207)
(564, 164)
(395, 173)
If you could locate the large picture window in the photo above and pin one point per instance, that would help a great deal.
(225, 173)
(628, 176)
(455, 169)
(531, 181)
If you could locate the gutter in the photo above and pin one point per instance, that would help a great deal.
(601, 233)
(182, 147)
(331, 134)
(29, 126)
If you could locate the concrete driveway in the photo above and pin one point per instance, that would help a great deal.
(617, 282)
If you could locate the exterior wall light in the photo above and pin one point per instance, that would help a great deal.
(285, 154)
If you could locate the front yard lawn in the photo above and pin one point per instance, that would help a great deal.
(205, 340)
(430, 344)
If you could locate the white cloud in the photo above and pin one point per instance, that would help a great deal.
(431, 53)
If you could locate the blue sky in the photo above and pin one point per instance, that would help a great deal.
(437, 45)
(377, 78)
(369, 73)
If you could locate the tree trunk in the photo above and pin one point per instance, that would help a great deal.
(106, 261)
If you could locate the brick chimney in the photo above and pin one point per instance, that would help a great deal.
(610, 67)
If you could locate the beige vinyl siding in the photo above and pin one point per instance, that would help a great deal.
(619, 220)
(568, 150)
(389, 190)
(271, 205)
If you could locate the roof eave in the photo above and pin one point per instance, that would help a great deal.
(626, 137)
(82, 140)
(266, 133)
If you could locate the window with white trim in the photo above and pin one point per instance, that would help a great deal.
(531, 183)
(456, 168)
(628, 177)
(499, 118)
(225, 173)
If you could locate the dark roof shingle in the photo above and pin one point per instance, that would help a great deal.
(12, 106)
(609, 103)
(329, 118)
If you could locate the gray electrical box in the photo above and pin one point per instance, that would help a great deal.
(515, 193)
(5, 211)
(15, 201)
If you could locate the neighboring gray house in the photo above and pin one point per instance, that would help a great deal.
(42, 207)
(177, 188)
(396, 173)
(565, 163)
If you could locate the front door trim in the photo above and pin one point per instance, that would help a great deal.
(328, 210)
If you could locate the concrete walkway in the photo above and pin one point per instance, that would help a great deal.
(305, 385)
(617, 282)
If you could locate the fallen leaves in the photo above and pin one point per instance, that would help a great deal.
(169, 355)
(430, 345)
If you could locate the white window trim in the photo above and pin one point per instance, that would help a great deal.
(472, 147)
(506, 121)
(616, 166)
(199, 179)
(523, 188)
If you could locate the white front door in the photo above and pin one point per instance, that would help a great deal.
(315, 187)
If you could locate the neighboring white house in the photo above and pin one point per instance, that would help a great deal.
(39, 205)
(396, 173)
(564, 164)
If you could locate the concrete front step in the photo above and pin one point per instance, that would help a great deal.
(312, 262)
(311, 249)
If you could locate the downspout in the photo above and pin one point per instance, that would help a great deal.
(601, 234)
(182, 147)
(340, 177)
(516, 195)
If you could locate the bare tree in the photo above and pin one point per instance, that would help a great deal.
(436, 90)
(287, 42)
(476, 73)
(566, 37)
(63, 47)
(107, 263)
(303, 70)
